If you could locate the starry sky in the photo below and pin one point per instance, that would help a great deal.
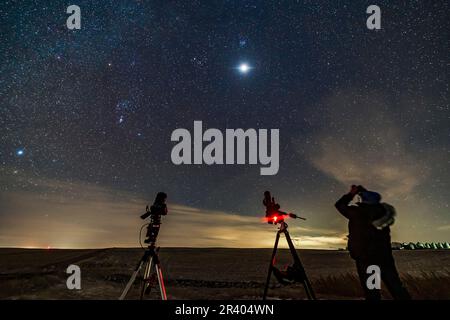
(86, 118)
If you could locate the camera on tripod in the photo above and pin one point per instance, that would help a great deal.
(150, 259)
(158, 209)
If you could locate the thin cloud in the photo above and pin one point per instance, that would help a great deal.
(444, 227)
(360, 141)
(78, 215)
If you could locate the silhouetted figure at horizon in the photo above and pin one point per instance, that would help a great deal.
(369, 240)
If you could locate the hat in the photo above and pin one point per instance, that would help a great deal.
(370, 197)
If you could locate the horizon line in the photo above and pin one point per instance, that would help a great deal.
(169, 247)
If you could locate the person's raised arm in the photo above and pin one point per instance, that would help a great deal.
(342, 205)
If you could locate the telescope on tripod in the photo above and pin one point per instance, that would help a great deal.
(296, 272)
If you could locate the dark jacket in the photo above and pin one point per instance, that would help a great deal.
(364, 240)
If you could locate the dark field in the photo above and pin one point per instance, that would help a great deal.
(207, 273)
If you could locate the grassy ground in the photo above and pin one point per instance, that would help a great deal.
(208, 273)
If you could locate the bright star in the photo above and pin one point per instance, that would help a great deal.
(244, 68)
(20, 152)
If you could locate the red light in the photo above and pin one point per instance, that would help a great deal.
(275, 218)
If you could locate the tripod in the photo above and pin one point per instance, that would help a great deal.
(298, 273)
(150, 260)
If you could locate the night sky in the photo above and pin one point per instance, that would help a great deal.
(86, 118)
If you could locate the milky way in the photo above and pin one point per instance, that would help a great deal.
(92, 111)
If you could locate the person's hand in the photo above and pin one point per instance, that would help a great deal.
(354, 190)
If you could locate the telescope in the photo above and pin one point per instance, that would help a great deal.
(273, 213)
(296, 272)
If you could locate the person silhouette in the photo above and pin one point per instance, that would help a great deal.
(369, 240)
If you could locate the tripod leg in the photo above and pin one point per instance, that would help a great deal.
(133, 277)
(162, 288)
(309, 290)
(146, 279)
(299, 266)
(272, 262)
